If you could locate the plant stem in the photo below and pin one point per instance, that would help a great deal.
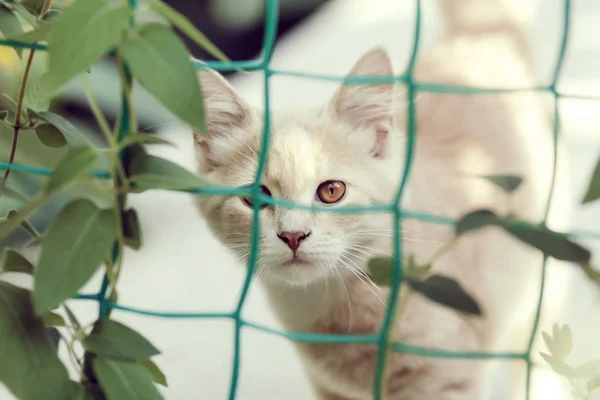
(17, 126)
(444, 248)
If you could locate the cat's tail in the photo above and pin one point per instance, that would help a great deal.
(480, 17)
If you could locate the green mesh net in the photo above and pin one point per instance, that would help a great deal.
(381, 339)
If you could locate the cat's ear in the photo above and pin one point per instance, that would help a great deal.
(227, 117)
(368, 105)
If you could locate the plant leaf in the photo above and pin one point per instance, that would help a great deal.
(76, 162)
(13, 261)
(132, 231)
(593, 384)
(73, 135)
(50, 136)
(72, 318)
(77, 242)
(184, 24)
(142, 138)
(549, 343)
(587, 369)
(17, 219)
(161, 63)
(25, 225)
(559, 366)
(53, 319)
(157, 375)
(447, 292)
(40, 33)
(475, 220)
(549, 242)
(86, 31)
(151, 172)
(112, 339)
(124, 380)
(33, 361)
(10, 25)
(509, 183)
(593, 190)
(381, 270)
(52, 15)
(563, 342)
(54, 336)
(34, 6)
(24, 13)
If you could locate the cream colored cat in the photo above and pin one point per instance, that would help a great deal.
(352, 152)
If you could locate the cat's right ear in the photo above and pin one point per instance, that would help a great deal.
(227, 118)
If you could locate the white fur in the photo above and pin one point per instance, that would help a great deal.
(359, 138)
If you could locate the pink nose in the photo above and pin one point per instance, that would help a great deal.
(293, 239)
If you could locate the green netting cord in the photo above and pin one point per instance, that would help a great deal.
(413, 87)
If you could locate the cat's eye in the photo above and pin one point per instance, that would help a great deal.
(264, 190)
(330, 192)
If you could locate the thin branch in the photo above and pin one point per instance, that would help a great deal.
(17, 126)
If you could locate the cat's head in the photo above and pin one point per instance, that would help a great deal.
(345, 154)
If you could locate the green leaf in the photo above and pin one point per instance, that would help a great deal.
(49, 136)
(587, 369)
(447, 292)
(124, 380)
(559, 366)
(151, 172)
(141, 138)
(52, 15)
(9, 24)
(563, 341)
(161, 63)
(593, 384)
(73, 135)
(381, 270)
(34, 6)
(13, 261)
(549, 343)
(475, 220)
(30, 362)
(36, 96)
(76, 162)
(593, 191)
(24, 13)
(78, 240)
(53, 319)
(17, 219)
(72, 318)
(132, 231)
(86, 31)
(549, 242)
(13, 194)
(157, 375)
(40, 34)
(509, 183)
(112, 339)
(25, 225)
(184, 24)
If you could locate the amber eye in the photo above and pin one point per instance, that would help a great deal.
(330, 192)
(248, 200)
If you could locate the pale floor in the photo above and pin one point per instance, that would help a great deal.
(183, 268)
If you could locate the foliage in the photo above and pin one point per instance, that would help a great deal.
(90, 230)
(560, 344)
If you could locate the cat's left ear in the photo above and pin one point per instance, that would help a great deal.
(368, 105)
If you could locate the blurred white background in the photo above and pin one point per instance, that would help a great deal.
(183, 268)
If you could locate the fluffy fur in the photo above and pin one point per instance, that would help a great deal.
(359, 138)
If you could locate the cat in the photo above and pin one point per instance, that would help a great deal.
(352, 152)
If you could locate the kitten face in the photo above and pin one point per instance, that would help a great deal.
(337, 156)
